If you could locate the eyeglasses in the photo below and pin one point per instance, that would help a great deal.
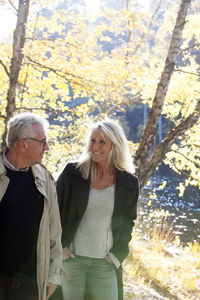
(44, 143)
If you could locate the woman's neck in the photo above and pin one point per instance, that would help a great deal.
(101, 172)
(105, 176)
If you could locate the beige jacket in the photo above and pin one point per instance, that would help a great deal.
(49, 249)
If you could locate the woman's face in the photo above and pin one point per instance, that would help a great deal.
(100, 146)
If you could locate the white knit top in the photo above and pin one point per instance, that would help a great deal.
(94, 235)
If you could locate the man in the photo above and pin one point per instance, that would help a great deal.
(30, 230)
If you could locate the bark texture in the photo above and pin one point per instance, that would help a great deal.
(16, 61)
(142, 160)
(165, 146)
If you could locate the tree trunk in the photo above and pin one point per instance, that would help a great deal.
(141, 157)
(165, 145)
(16, 61)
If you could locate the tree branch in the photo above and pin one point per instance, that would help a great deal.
(187, 49)
(165, 146)
(186, 72)
(11, 4)
(150, 24)
(5, 68)
(56, 111)
(3, 117)
(59, 73)
(109, 110)
(186, 157)
(186, 175)
(150, 130)
(67, 76)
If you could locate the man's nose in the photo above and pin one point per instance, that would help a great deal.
(46, 147)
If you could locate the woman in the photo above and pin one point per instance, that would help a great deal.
(98, 203)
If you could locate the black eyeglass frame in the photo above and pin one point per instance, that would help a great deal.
(39, 141)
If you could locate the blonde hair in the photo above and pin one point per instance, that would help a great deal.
(119, 156)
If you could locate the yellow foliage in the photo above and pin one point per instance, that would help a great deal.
(67, 73)
(162, 186)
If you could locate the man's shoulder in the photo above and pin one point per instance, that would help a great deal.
(3, 149)
(2, 167)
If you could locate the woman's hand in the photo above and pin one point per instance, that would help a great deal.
(51, 287)
(67, 253)
(109, 259)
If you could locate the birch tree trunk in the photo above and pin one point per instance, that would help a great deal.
(165, 146)
(16, 61)
(142, 161)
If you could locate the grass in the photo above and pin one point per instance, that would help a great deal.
(158, 260)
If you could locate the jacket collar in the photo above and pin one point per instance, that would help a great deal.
(40, 179)
(2, 167)
(82, 188)
(9, 165)
(39, 174)
(38, 171)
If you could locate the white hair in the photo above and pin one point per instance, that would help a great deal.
(21, 127)
(119, 156)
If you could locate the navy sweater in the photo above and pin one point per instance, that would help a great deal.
(20, 213)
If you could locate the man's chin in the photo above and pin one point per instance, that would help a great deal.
(38, 162)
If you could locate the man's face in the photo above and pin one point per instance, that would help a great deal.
(36, 146)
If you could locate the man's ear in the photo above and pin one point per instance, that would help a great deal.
(22, 145)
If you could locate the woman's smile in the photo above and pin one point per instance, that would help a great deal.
(100, 146)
